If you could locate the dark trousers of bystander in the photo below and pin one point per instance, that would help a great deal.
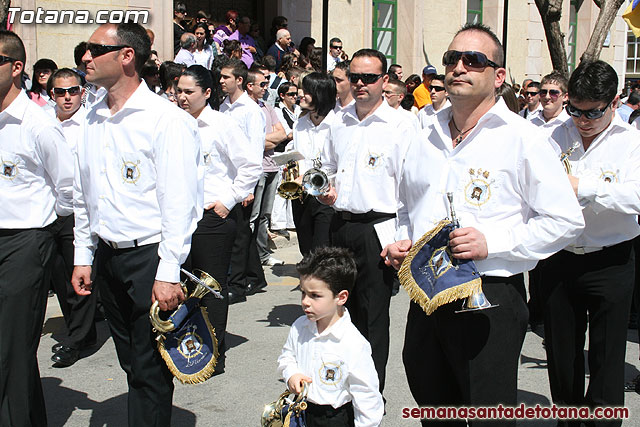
(128, 276)
(78, 311)
(245, 267)
(313, 220)
(368, 303)
(211, 252)
(594, 289)
(471, 358)
(25, 262)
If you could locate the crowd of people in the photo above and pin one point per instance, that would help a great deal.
(108, 187)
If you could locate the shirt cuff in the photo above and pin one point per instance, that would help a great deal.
(82, 256)
(168, 272)
(229, 202)
(290, 371)
(498, 241)
(587, 188)
(402, 233)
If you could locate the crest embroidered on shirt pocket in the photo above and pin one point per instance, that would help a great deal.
(477, 191)
(609, 175)
(332, 370)
(10, 166)
(374, 160)
(130, 169)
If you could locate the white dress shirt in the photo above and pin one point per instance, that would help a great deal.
(367, 157)
(309, 139)
(71, 128)
(506, 183)
(231, 173)
(246, 112)
(339, 108)
(609, 187)
(185, 57)
(529, 115)
(539, 120)
(339, 362)
(426, 115)
(36, 175)
(139, 176)
(204, 57)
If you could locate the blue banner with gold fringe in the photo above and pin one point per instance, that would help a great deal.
(431, 275)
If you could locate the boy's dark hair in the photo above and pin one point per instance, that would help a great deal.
(372, 53)
(62, 73)
(593, 81)
(269, 62)
(498, 52)
(334, 266)
(557, 78)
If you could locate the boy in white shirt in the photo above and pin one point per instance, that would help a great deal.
(326, 350)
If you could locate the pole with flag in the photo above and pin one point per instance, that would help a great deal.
(632, 17)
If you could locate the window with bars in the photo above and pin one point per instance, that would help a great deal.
(385, 27)
(474, 11)
(572, 35)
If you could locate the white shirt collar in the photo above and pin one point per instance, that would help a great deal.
(336, 330)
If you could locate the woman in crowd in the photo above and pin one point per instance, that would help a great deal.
(307, 44)
(230, 177)
(310, 132)
(221, 33)
(42, 70)
(169, 74)
(232, 49)
(412, 82)
(204, 52)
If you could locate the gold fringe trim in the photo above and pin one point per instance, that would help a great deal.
(206, 372)
(416, 294)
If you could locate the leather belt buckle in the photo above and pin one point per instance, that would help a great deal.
(579, 250)
(346, 215)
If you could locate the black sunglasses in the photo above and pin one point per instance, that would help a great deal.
(436, 88)
(335, 47)
(102, 49)
(4, 59)
(60, 91)
(553, 93)
(593, 114)
(291, 94)
(367, 78)
(469, 59)
(532, 93)
(264, 84)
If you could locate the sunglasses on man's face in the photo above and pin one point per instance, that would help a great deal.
(102, 49)
(592, 114)
(367, 78)
(532, 93)
(5, 59)
(553, 93)
(291, 94)
(436, 88)
(470, 59)
(336, 47)
(60, 91)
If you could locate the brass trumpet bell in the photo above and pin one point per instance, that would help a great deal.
(272, 415)
(476, 301)
(289, 189)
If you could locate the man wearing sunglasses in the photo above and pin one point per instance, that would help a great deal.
(421, 94)
(36, 185)
(334, 55)
(532, 101)
(439, 101)
(365, 151)
(138, 197)
(553, 95)
(515, 207)
(591, 281)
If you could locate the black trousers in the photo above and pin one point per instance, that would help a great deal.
(368, 303)
(328, 416)
(78, 311)
(25, 263)
(593, 289)
(471, 358)
(126, 296)
(211, 252)
(312, 220)
(245, 266)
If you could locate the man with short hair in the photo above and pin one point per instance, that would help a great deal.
(365, 150)
(245, 271)
(439, 101)
(589, 285)
(397, 70)
(65, 87)
(36, 185)
(138, 196)
(515, 207)
(553, 95)
(281, 47)
(268, 67)
(187, 47)
(421, 96)
(532, 101)
(335, 52)
(632, 104)
(394, 93)
(340, 75)
(248, 43)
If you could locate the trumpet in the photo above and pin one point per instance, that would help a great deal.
(276, 414)
(289, 189)
(564, 156)
(315, 182)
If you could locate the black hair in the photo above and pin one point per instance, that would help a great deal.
(634, 98)
(62, 73)
(230, 46)
(533, 84)
(394, 67)
(217, 95)
(253, 72)
(334, 266)
(304, 43)
(337, 40)
(41, 64)
(207, 35)
(238, 69)
(201, 76)
(593, 81)
(372, 53)
(269, 62)
(284, 88)
(149, 69)
(78, 53)
(169, 73)
(12, 46)
(498, 52)
(558, 78)
(439, 77)
(180, 7)
(288, 62)
(506, 92)
(135, 36)
(322, 89)
(344, 66)
(407, 101)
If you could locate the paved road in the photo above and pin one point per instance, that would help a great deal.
(93, 391)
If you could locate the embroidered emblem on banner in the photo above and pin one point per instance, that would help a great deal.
(478, 191)
(130, 172)
(330, 373)
(190, 343)
(440, 262)
(609, 176)
(9, 170)
(374, 160)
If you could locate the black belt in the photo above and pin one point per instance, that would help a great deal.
(368, 216)
(327, 410)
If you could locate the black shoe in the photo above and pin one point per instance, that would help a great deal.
(66, 356)
(633, 385)
(252, 288)
(235, 296)
(56, 347)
